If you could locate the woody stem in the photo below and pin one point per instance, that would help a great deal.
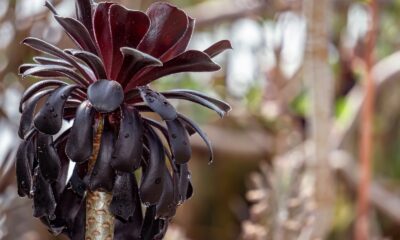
(99, 220)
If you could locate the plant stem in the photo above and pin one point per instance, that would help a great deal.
(99, 220)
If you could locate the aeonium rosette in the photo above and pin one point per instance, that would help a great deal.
(105, 81)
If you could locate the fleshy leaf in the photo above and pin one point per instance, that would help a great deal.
(51, 61)
(201, 134)
(34, 88)
(217, 105)
(189, 61)
(125, 195)
(179, 141)
(127, 29)
(166, 207)
(128, 148)
(102, 33)
(78, 33)
(158, 103)
(49, 118)
(48, 48)
(84, 13)
(182, 44)
(132, 228)
(92, 60)
(79, 145)
(105, 95)
(184, 182)
(24, 162)
(49, 162)
(44, 203)
(103, 176)
(218, 48)
(151, 226)
(153, 174)
(167, 25)
(25, 124)
(133, 62)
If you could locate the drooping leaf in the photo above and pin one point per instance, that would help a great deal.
(151, 226)
(167, 25)
(133, 62)
(218, 48)
(166, 207)
(102, 176)
(128, 148)
(125, 196)
(49, 161)
(34, 88)
(26, 120)
(44, 203)
(153, 174)
(79, 145)
(132, 228)
(76, 231)
(105, 95)
(77, 184)
(179, 141)
(203, 135)
(185, 191)
(158, 103)
(127, 29)
(217, 105)
(189, 61)
(68, 208)
(24, 162)
(49, 119)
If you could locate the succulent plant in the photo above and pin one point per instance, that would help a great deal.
(103, 86)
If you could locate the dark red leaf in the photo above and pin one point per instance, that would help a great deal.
(102, 33)
(51, 61)
(167, 25)
(127, 29)
(78, 33)
(134, 61)
(48, 48)
(189, 61)
(55, 71)
(218, 48)
(93, 61)
(84, 13)
(182, 44)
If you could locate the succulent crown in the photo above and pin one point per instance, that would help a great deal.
(105, 82)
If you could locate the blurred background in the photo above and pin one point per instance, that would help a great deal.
(299, 157)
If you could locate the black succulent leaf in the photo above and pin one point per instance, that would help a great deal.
(107, 77)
